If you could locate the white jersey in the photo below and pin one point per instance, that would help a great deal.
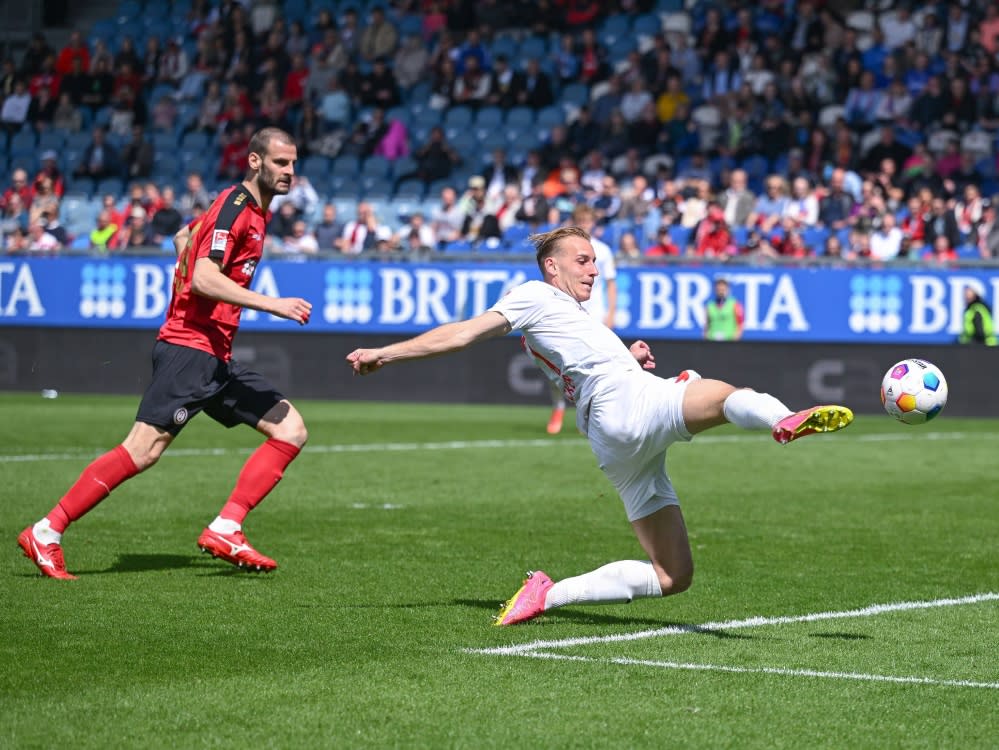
(596, 305)
(574, 350)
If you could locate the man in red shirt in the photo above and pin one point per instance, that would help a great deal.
(193, 369)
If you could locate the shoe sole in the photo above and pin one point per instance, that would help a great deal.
(239, 564)
(823, 419)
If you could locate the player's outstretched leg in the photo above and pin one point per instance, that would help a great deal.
(810, 421)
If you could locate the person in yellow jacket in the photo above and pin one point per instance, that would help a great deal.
(979, 327)
(723, 316)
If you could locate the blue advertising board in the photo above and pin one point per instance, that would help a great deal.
(902, 305)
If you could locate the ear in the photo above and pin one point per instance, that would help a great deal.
(255, 161)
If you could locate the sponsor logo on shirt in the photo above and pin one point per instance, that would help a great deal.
(249, 267)
(220, 238)
(180, 416)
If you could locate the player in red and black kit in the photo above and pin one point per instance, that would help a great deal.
(193, 369)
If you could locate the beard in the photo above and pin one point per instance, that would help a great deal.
(271, 181)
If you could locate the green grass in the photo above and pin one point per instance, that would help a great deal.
(360, 638)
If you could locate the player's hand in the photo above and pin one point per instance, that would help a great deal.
(364, 361)
(293, 308)
(643, 354)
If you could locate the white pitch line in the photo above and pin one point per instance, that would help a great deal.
(525, 649)
(784, 671)
(484, 444)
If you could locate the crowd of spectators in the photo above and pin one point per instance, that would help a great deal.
(776, 128)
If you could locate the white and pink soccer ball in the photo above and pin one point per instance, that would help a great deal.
(914, 391)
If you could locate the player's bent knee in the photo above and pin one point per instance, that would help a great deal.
(677, 582)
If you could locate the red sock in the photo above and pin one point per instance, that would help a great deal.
(261, 473)
(94, 484)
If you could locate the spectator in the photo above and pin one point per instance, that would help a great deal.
(536, 89)
(136, 232)
(929, 106)
(44, 199)
(411, 62)
(940, 222)
(712, 237)
(862, 103)
(137, 155)
(329, 230)
(234, 150)
(167, 220)
(968, 210)
(20, 187)
(335, 106)
(627, 246)
(447, 219)
(293, 91)
(635, 100)
(379, 38)
(986, 235)
(770, 206)
(38, 49)
(417, 235)
(663, 246)
(636, 199)
(280, 226)
(300, 242)
(607, 204)
(979, 327)
(534, 207)
(13, 219)
(194, 195)
(50, 168)
(886, 239)
(66, 115)
(472, 86)
(14, 112)
(434, 159)
(173, 63)
(360, 234)
(478, 222)
(301, 195)
(505, 86)
(836, 206)
(941, 252)
(39, 240)
(99, 87)
(738, 201)
(75, 49)
(499, 173)
(505, 205)
(102, 235)
(803, 207)
(379, 88)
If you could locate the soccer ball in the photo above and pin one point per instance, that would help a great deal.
(914, 391)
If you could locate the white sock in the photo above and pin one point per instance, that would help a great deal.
(558, 398)
(615, 582)
(751, 410)
(224, 525)
(45, 534)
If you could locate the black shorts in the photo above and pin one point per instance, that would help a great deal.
(187, 381)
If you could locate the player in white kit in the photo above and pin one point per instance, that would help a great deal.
(629, 415)
(601, 305)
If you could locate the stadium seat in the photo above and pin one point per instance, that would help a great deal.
(410, 190)
(532, 48)
(520, 117)
(647, 24)
(458, 116)
(346, 165)
(968, 251)
(489, 117)
(549, 117)
(195, 140)
(504, 45)
(459, 246)
(516, 234)
(165, 142)
(23, 140)
(316, 168)
(614, 27)
(575, 95)
(51, 139)
(680, 235)
(493, 140)
(376, 166)
(815, 239)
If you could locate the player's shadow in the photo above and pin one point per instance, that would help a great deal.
(144, 563)
(842, 636)
(591, 618)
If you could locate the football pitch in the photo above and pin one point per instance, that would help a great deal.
(846, 594)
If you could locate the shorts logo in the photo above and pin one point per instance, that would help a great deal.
(220, 238)
(180, 416)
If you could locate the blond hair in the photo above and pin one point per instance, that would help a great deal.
(548, 243)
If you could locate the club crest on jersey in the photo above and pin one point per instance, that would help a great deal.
(220, 238)
(249, 267)
(180, 416)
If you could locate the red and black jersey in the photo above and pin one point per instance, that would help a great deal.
(231, 232)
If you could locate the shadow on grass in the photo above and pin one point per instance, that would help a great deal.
(144, 563)
(590, 618)
(841, 636)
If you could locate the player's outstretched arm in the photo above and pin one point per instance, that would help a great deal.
(641, 352)
(209, 281)
(449, 337)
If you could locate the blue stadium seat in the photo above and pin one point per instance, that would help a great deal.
(458, 116)
(83, 185)
(464, 143)
(195, 140)
(489, 117)
(756, 167)
(647, 24)
(576, 94)
(23, 140)
(493, 140)
(410, 190)
(376, 166)
(403, 166)
(613, 28)
(317, 168)
(516, 234)
(346, 165)
(520, 117)
(679, 235)
(504, 45)
(406, 207)
(532, 48)
(51, 139)
(815, 239)
(459, 246)
(166, 142)
(113, 185)
(967, 251)
(549, 117)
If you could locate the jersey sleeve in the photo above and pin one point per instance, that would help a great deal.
(522, 306)
(218, 239)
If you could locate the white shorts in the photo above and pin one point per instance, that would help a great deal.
(630, 426)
